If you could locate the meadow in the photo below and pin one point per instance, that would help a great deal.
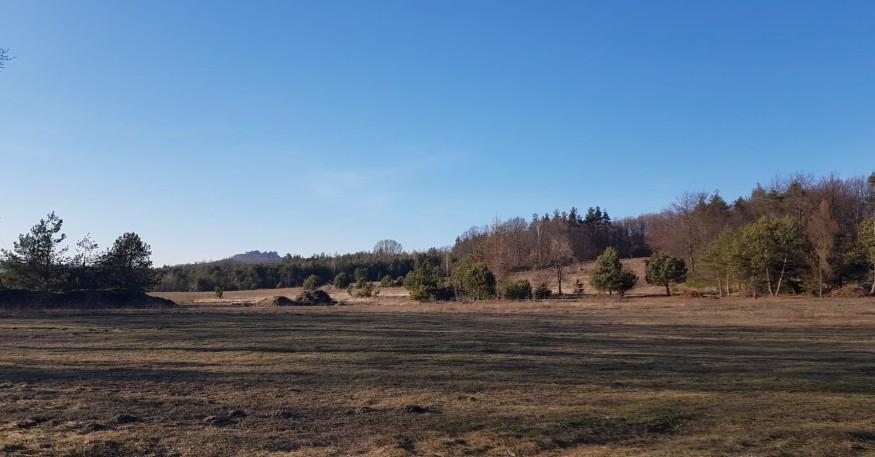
(645, 376)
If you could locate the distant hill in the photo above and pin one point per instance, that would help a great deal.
(257, 257)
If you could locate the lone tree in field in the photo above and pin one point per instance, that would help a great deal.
(388, 248)
(128, 264)
(609, 274)
(37, 260)
(664, 269)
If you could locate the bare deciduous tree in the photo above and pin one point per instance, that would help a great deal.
(822, 230)
(388, 248)
(558, 256)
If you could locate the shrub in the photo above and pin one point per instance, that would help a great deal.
(578, 287)
(542, 292)
(419, 293)
(311, 283)
(518, 290)
(387, 281)
(219, 292)
(473, 279)
(361, 288)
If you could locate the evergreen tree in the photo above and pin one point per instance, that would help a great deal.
(311, 283)
(518, 290)
(127, 264)
(341, 281)
(37, 260)
(867, 246)
(610, 275)
(767, 250)
(664, 269)
(473, 279)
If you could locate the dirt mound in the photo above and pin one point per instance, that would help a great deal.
(305, 298)
(279, 300)
(80, 299)
(852, 290)
(313, 298)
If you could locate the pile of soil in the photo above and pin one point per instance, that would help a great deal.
(279, 300)
(305, 298)
(80, 299)
(314, 298)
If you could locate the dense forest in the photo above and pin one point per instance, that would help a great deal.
(797, 235)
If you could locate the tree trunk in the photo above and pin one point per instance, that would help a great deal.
(820, 282)
(667, 290)
(559, 279)
(781, 277)
(872, 290)
(769, 281)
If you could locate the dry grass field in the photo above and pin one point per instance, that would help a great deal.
(385, 377)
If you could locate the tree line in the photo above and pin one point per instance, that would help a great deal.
(291, 271)
(798, 235)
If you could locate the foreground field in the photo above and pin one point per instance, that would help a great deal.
(632, 378)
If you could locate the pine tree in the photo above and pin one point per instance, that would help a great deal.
(610, 275)
(127, 264)
(664, 269)
(37, 260)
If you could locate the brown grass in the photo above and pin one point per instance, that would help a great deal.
(642, 376)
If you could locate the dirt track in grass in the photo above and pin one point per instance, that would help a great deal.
(645, 376)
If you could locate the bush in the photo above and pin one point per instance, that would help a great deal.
(518, 290)
(542, 292)
(311, 283)
(473, 279)
(342, 281)
(219, 292)
(387, 281)
(419, 293)
(578, 287)
(361, 288)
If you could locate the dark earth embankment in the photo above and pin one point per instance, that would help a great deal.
(80, 299)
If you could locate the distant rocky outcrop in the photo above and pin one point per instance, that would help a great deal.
(257, 257)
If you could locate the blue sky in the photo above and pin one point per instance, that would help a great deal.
(214, 128)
